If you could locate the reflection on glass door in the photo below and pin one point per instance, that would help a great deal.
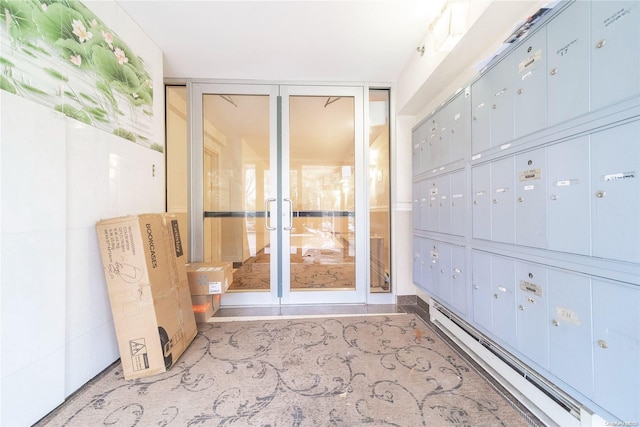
(379, 194)
(322, 152)
(321, 192)
(236, 184)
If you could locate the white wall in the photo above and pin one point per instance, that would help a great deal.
(57, 178)
(402, 232)
(33, 258)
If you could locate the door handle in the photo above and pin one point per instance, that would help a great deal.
(290, 215)
(267, 216)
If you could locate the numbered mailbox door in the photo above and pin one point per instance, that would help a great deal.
(615, 43)
(504, 299)
(503, 215)
(615, 188)
(531, 209)
(569, 315)
(502, 99)
(481, 289)
(616, 348)
(568, 59)
(568, 196)
(531, 295)
(530, 100)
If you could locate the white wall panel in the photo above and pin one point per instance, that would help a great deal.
(87, 174)
(403, 255)
(33, 298)
(33, 166)
(140, 187)
(109, 176)
(19, 411)
(89, 323)
(33, 260)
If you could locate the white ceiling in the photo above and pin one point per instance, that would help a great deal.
(313, 41)
(330, 41)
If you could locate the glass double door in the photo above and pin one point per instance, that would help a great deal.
(278, 190)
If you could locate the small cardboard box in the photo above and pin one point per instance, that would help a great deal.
(205, 306)
(144, 267)
(207, 278)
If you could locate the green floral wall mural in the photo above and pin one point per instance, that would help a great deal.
(60, 54)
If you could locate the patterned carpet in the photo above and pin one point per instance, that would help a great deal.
(345, 371)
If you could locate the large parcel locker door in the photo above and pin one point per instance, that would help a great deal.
(503, 272)
(567, 63)
(570, 357)
(568, 201)
(481, 289)
(615, 188)
(481, 205)
(503, 213)
(616, 348)
(530, 100)
(532, 326)
(531, 212)
(615, 43)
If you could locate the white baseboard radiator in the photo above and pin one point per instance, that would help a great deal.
(546, 401)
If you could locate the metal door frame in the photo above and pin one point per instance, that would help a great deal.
(279, 162)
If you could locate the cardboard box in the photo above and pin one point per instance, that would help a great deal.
(144, 268)
(207, 278)
(205, 306)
